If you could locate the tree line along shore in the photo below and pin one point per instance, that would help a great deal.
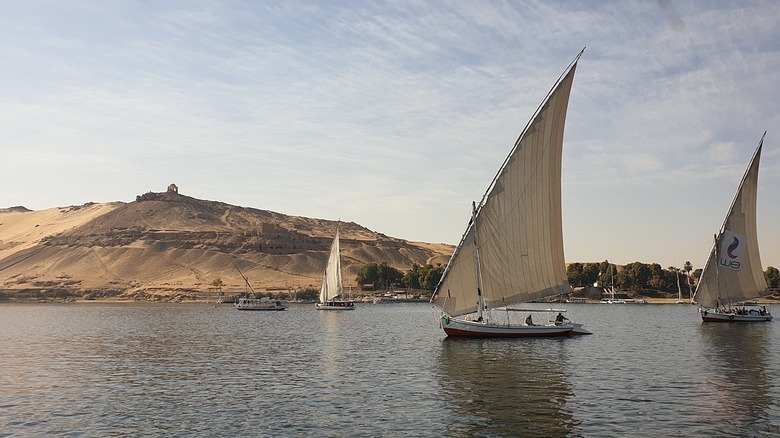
(380, 281)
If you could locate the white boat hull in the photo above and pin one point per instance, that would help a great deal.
(713, 315)
(335, 306)
(267, 307)
(578, 329)
(474, 329)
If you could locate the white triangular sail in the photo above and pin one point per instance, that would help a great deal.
(331, 281)
(679, 289)
(519, 233)
(733, 271)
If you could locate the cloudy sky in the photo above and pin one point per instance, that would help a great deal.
(396, 115)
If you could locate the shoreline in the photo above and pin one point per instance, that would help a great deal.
(114, 300)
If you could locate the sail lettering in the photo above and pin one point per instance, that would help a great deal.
(730, 264)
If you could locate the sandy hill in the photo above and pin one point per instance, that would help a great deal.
(169, 242)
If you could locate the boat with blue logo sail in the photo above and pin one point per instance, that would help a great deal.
(732, 276)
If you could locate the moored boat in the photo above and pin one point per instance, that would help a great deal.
(245, 303)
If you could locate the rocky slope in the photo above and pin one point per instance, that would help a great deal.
(168, 243)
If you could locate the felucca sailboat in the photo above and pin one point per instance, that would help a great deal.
(331, 289)
(733, 273)
(680, 300)
(512, 249)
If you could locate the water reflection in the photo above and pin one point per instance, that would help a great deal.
(737, 386)
(506, 387)
(333, 345)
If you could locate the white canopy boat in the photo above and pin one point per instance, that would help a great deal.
(247, 303)
(512, 249)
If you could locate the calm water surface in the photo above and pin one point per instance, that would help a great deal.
(381, 370)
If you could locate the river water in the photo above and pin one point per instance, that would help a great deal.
(95, 369)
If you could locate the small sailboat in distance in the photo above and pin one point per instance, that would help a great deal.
(512, 249)
(733, 274)
(680, 299)
(331, 289)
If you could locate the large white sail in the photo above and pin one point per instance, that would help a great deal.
(519, 232)
(733, 271)
(331, 282)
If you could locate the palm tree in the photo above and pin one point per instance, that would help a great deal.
(688, 267)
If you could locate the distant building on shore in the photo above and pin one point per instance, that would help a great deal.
(172, 188)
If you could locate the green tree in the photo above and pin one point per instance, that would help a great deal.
(772, 276)
(368, 274)
(688, 267)
(606, 272)
(636, 276)
(411, 278)
(379, 275)
(423, 277)
(217, 283)
(590, 273)
(658, 278)
(574, 274)
(431, 276)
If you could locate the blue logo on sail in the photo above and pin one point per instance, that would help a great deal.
(734, 245)
(732, 250)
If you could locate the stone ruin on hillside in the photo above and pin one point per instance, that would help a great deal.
(152, 196)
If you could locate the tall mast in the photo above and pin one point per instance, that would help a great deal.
(679, 290)
(717, 268)
(244, 277)
(480, 298)
(612, 280)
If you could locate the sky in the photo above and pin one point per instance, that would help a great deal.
(397, 115)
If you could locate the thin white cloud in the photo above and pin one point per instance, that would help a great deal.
(397, 115)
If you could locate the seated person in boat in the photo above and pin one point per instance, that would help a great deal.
(529, 320)
(560, 318)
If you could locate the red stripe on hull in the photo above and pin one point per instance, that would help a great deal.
(708, 319)
(708, 316)
(755, 319)
(472, 334)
